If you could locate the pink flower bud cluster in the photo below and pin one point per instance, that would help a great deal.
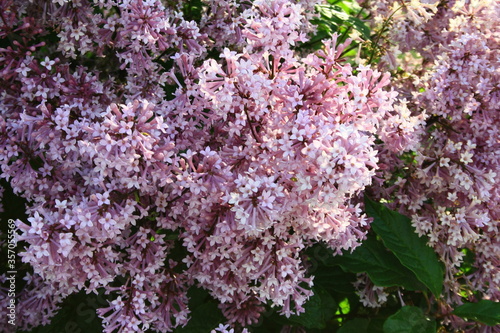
(150, 166)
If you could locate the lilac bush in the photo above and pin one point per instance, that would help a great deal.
(133, 131)
(169, 146)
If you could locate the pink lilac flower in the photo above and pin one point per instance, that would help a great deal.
(369, 294)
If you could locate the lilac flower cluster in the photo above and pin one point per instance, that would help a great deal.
(131, 141)
(451, 187)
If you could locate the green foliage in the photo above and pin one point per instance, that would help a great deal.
(205, 315)
(319, 309)
(467, 266)
(358, 325)
(335, 280)
(399, 236)
(393, 256)
(341, 17)
(381, 265)
(485, 311)
(409, 319)
(193, 10)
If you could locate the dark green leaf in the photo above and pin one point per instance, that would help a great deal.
(485, 311)
(318, 310)
(376, 325)
(198, 297)
(335, 280)
(383, 268)
(409, 319)
(204, 318)
(400, 237)
(358, 325)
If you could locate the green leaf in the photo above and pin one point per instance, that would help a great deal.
(318, 310)
(376, 325)
(383, 268)
(349, 6)
(409, 319)
(400, 237)
(360, 26)
(485, 311)
(205, 314)
(332, 12)
(335, 280)
(363, 325)
(358, 325)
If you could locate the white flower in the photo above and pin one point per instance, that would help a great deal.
(47, 63)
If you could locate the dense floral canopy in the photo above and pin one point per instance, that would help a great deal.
(162, 146)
